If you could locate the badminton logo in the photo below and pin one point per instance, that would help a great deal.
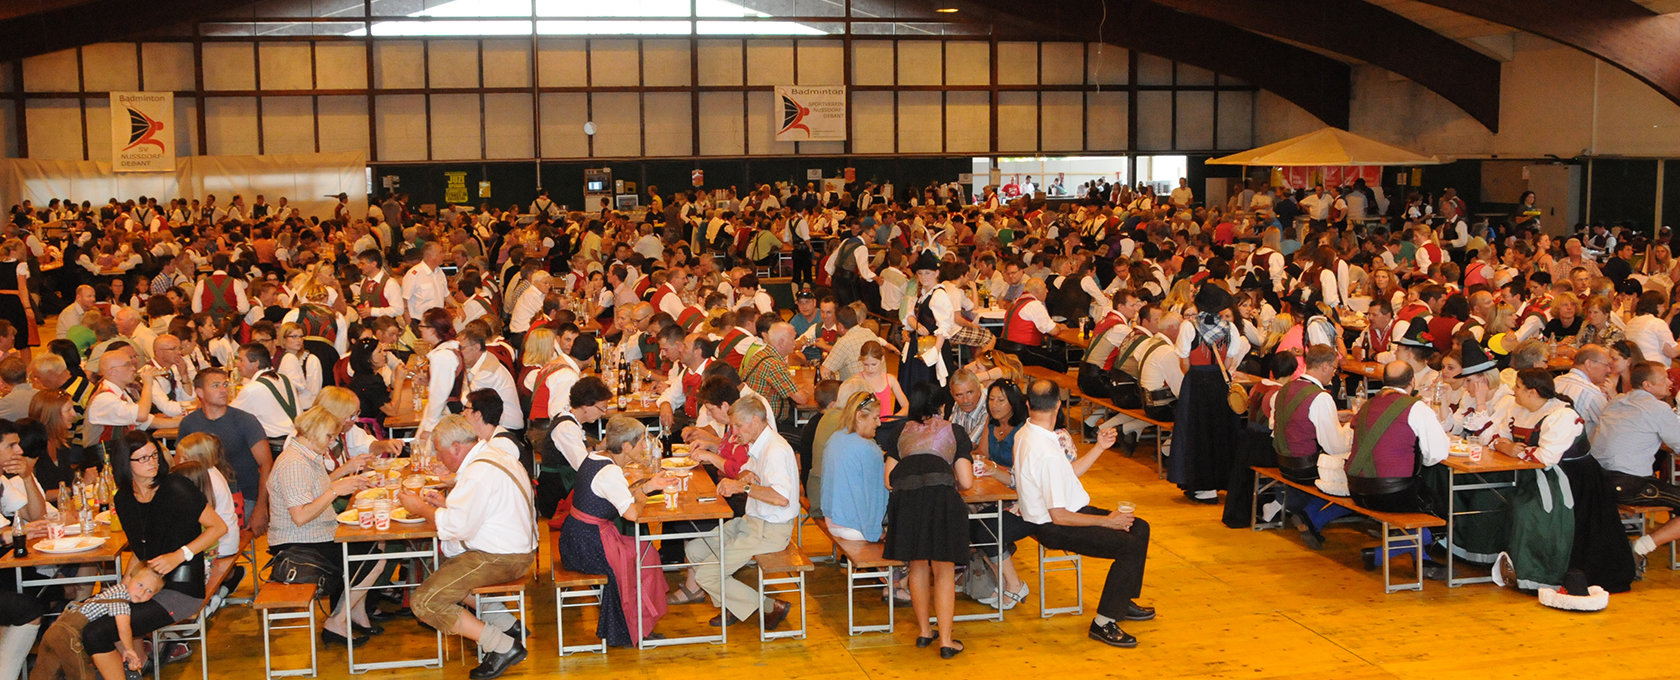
(142, 124)
(143, 129)
(793, 117)
(810, 114)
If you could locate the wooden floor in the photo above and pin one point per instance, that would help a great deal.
(1233, 604)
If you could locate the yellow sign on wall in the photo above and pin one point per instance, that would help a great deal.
(455, 187)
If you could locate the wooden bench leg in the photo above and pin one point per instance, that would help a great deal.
(766, 589)
(592, 596)
(269, 618)
(500, 604)
(853, 578)
(1078, 569)
(1416, 538)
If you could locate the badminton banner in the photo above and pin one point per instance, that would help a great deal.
(142, 131)
(811, 114)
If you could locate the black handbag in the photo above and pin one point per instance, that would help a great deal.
(292, 565)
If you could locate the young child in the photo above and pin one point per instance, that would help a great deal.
(61, 648)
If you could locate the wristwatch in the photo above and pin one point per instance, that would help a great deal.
(186, 553)
(746, 489)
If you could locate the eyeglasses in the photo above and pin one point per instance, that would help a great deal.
(145, 458)
(294, 337)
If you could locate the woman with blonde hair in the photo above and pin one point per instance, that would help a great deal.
(1181, 297)
(198, 457)
(298, 364)
(854, 495)
(992, 365)
(351, 441)
(302, 488)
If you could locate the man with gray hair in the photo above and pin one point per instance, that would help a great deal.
(1580, 384)
(112, 411)
(487, 525)
(138, 334)
(770, 481)
(14, 372)
(529, 304)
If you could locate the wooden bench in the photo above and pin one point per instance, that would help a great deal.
(792, 562)
(864, 563)
(1045, 611)
(1396, 525)
(502, 598)
(1638, 518)
(574, 590)
(286, 602)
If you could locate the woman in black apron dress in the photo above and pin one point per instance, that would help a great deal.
(1205, 430)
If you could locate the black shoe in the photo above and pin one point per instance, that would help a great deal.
(517, 631)
(948, 652)
(1111, 635)
(1090, 433)
(1138, 613)
(776, 615)
(379, 616)
(370, 629)
(231, 582)
(1368, 557)
(1309, 533)
(494, 665)
(923, 642)
(331, 638)
(1434, 572)
(1127, 444)
(723, 619)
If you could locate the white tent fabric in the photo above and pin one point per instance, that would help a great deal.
(1329, 146)
(308, 181)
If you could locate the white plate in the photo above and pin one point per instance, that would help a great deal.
(70, 544)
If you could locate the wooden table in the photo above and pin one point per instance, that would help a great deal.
(409, 422)
(992, 494)
(109, 553)
(690, 509)
(424, 533)
(1492, 463)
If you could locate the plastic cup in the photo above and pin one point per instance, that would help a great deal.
(55, 531)
(382, 515)
(671, 499)
(1125, 507)
(1476, 453)
(414, 482)
(364, 513)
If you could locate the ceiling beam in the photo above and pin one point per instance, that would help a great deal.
(61, 26)
(1465, 77)
(1623, 33)
(1312, 81)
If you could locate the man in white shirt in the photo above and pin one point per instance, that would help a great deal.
(1581, 384)
(111, 407)
(380, 294)
(1317, 206)
(529, 304)
(71, 316)
(172, 389)
(485, 371)
(424, 286)
(267, 395)
(1181, 197)
(1059, 511)
(488, 530)
(770, 480)
(1305, 425)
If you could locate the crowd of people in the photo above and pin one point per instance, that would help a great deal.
(279, 347)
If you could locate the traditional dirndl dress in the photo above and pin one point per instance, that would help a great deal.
(1543, 508)
(1204, 427)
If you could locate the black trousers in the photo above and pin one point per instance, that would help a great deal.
(101, 636)
(802, 271)
(1128, 549)
(17, 609)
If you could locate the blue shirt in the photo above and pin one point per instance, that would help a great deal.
(854, 487)
(1002, 450)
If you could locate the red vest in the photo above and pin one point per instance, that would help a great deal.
(1100, 349)
(373, 291)
(539, 395)
(219, 296)
(1434, 251)
(733, 345)
(691, 390)
(659, 296)
(1018, 329)
(1441, 329)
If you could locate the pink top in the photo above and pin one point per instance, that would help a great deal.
(885, 398)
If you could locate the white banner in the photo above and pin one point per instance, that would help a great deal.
(810, 114)
(142, 131)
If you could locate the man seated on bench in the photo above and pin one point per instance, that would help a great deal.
(1395, 436)
(1153, 374)
(770, 481)
(1056, 505)
(487, 525)
(1305, 423)
(1630, 431)
(1028, 325)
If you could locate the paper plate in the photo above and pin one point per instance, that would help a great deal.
(401, 515)
(70, 544)
(349, 517)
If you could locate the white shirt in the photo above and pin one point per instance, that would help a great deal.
(256, 400)
(487, 511)
(1233, 352)
(168, 401)
(1044, 479)
(1333, 438)
(568, 438)
(1588, 399)
(445, 363)
(1161, 369)
(526, 308)
(112, 407)
(305, 374)
(424, 288)
(1034, 311)
(490, 374)
(71, 317)
(772, 460)
(1653, 337)
(609, 483)
(222, 501)
(393, 297)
